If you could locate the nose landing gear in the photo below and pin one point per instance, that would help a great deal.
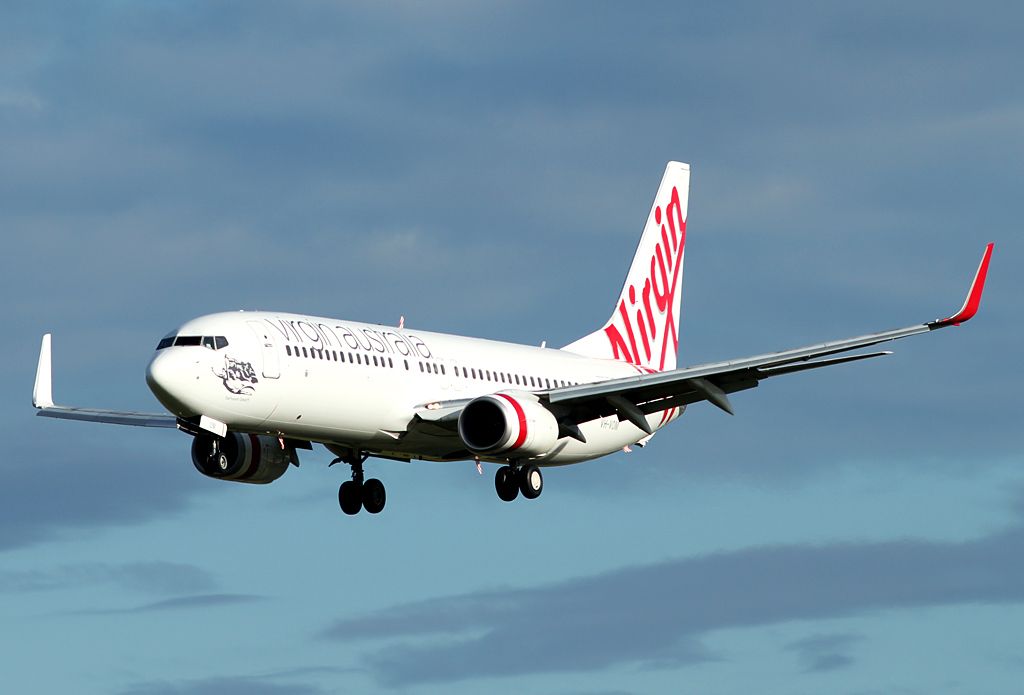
(358, 493)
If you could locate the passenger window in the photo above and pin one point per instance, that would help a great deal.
(517, 379)
(304, 352)
(442, 369)
(406, 365)
(374, 360)
(288, 350)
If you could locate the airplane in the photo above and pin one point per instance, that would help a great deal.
(252, 387)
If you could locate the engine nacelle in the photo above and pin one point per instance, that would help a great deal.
(513, 423)
(250, 458)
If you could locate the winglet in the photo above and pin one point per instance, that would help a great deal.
(973, 301)
(42, 393)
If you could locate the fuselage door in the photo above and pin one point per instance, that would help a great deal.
(271, 362)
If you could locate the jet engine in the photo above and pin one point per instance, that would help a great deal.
(244, 458)
(508, 423)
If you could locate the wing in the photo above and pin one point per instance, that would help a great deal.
(634, 397)
(42, 399)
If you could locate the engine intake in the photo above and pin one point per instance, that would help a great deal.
(508, 423)
(249, 458)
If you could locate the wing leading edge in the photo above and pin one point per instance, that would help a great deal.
(633, 397)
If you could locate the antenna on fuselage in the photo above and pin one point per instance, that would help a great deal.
(401, 322)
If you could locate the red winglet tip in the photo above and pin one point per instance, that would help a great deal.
(973, 301)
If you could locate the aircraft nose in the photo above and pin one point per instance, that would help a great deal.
(166, 378)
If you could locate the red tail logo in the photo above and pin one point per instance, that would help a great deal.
(645, 320)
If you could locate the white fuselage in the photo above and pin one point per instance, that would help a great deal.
(360, 386)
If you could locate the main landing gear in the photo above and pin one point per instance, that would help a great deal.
(509, 481)
(357, 493)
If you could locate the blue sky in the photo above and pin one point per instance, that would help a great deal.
(486, 170)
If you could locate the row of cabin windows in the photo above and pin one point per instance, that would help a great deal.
(336, 356)
(428, 367)
(510, 378)
(213, 342)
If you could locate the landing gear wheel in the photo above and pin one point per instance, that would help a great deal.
(219, 462)
(350, 497)
(531, 482)
(216, 460)
(373, 496)
(506, 484)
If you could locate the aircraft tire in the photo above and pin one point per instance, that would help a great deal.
(531, 482)
(505, 484)
(219, 462)
(374, 496)
(350, 497)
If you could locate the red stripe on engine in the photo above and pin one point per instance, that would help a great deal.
(522, 419)
(254, 462)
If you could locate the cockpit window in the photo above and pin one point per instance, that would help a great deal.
(213, 342)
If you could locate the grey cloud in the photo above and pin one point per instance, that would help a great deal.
(224, 685)
(656, 613)
(183, 603)
(824, 652)
(819, 663)
(309, 138)
(145, 577)
(53, 493)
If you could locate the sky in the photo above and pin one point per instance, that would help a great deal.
(485, 169)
